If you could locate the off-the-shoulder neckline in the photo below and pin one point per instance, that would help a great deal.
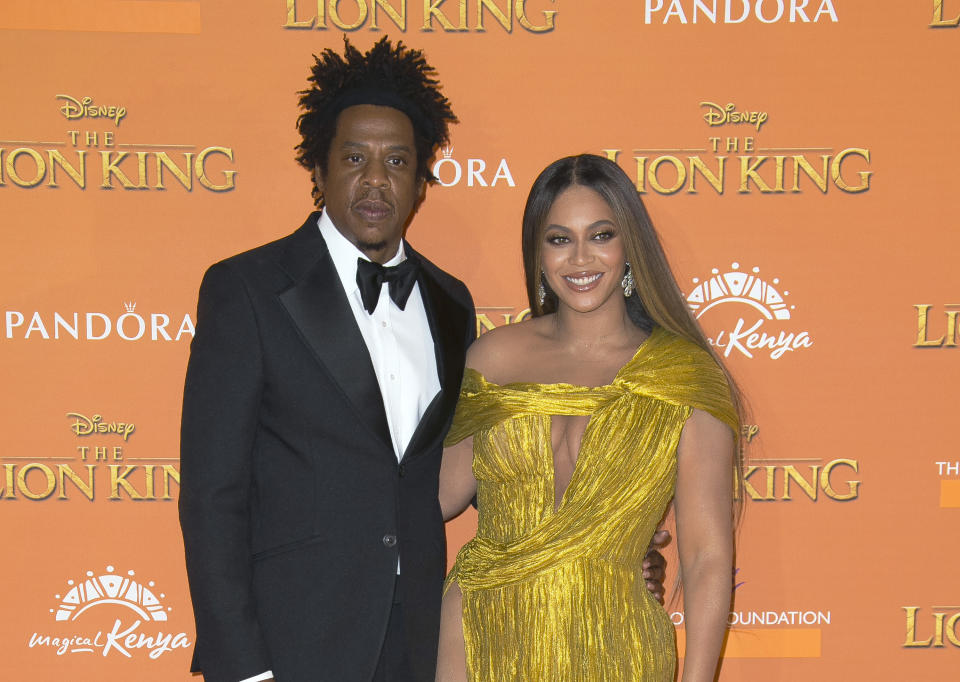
(641, 349)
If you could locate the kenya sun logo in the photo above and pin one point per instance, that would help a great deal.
(110, 588)
(740, 287)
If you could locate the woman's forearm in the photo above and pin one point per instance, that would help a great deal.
(707, 590)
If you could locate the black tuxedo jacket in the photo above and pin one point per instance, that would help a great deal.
(293, 506)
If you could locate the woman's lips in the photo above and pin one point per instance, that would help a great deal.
(582, 281)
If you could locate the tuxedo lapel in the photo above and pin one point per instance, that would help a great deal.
(447, 320)
(319, 309)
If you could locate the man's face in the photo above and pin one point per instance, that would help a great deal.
(371, 184)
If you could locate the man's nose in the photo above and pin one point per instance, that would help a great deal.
(374, 175)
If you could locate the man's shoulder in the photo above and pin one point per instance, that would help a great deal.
(286, 252)
(453, 286)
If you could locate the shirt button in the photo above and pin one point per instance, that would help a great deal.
(384, 323)
(393, 377)
(403, 470)
(389, 540)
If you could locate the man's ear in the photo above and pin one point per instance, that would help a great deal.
(421, 195)
(318, 178)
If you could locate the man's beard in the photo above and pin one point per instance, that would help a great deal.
(368, 247)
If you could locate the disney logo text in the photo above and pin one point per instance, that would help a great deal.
(85, 108)
(718, 116)
(86, 426)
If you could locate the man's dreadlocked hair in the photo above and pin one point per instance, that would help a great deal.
(387, 75)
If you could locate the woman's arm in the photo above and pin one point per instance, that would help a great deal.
(704, 509)
(457, 484)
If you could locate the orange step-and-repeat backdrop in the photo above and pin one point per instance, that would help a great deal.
(798, 157)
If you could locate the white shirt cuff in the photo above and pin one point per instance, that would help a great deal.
(262, 676)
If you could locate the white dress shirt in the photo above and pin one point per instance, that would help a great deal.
(399, 342)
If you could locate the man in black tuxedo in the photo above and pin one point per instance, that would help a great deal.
(316, 402)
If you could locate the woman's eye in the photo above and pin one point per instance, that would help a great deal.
(557, 239)
(603, 236)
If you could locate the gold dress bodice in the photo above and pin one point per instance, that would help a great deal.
(557, 595)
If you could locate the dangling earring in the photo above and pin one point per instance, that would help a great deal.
(627, 282)
(542, 289)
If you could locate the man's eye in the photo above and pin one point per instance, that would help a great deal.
(397, 161)
(354, 158)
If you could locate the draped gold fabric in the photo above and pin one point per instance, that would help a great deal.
(558, 595)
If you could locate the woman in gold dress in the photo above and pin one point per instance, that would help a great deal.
(575, 430)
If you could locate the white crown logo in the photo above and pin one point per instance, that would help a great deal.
(130, 306)
(739, 287)
(110, 589)
(447, 152)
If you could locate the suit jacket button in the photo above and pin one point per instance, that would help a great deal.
(403, 470)
(389, 540)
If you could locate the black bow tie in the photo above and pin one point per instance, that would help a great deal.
(371, 277)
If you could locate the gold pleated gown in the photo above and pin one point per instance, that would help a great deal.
(558, 595)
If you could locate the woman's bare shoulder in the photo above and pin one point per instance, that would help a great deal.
(499, 354)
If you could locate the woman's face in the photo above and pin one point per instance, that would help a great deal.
(583, 255)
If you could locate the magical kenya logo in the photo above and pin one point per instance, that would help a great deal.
(763, 322)
(110, 614)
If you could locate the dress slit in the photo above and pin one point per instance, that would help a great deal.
(552, 458)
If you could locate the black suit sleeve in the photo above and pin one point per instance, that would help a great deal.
(218, 430)
(471, 331)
